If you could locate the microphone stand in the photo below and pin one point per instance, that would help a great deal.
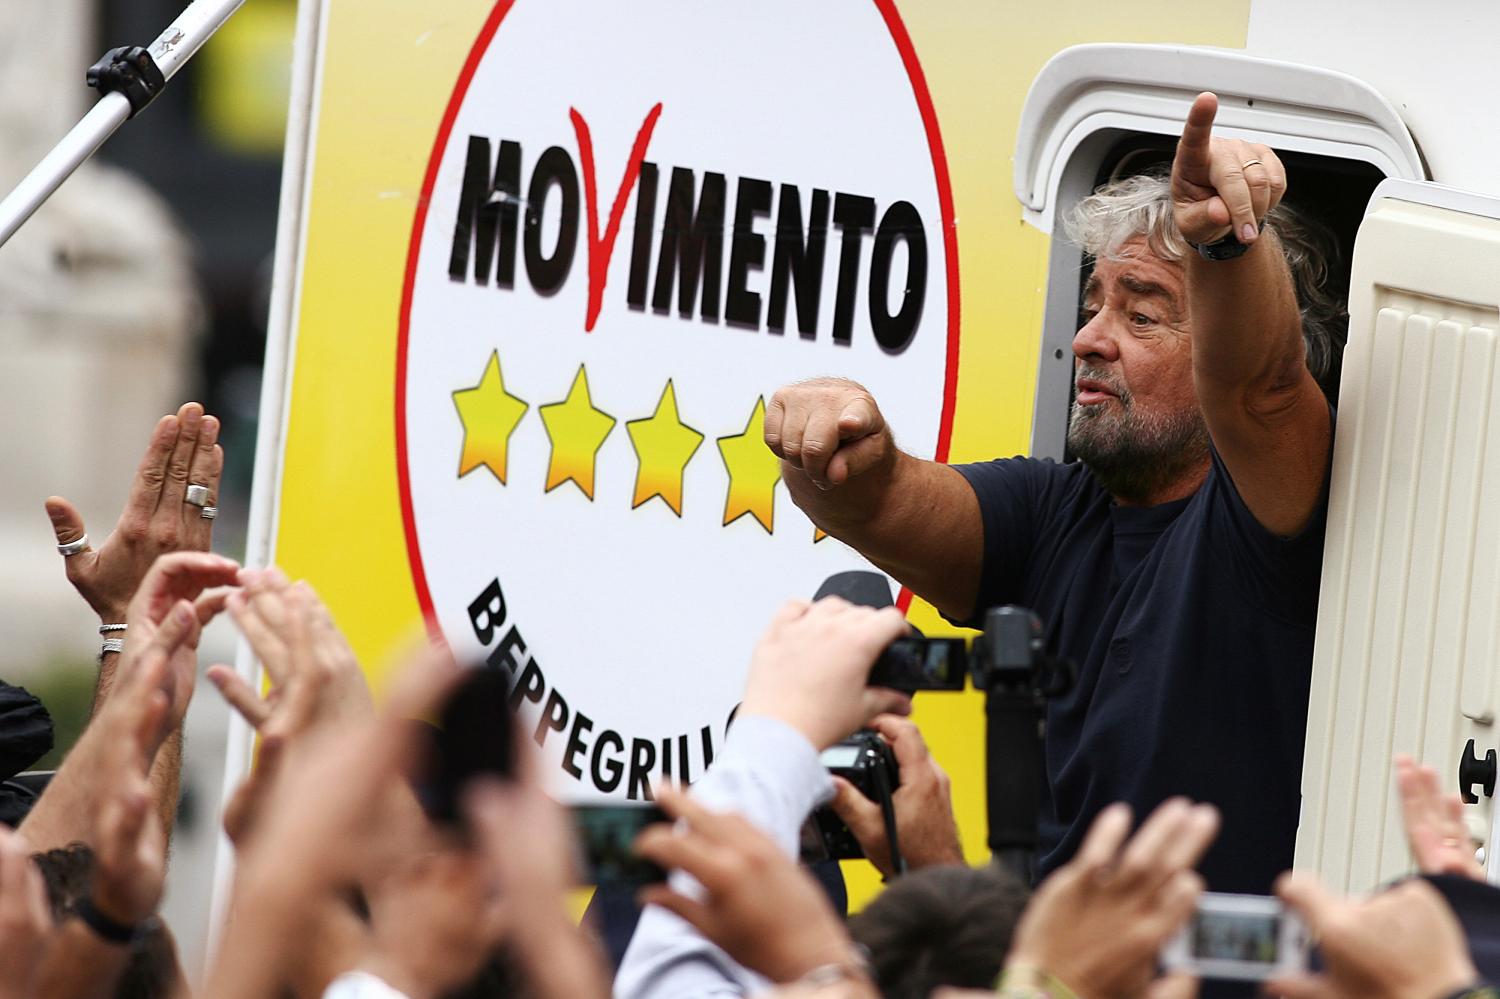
(129, 78)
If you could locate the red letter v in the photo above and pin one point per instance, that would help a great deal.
(600, 249)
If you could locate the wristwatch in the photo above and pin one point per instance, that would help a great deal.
(107, 929)
(1225, 249)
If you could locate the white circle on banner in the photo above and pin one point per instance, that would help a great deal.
(542, 455)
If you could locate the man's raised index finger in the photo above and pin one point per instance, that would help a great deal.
(1198, 130)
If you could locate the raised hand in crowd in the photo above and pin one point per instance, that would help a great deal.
(315, 678)
(182, 582)
(160, 514)
(26, 929)
(528, 846)
(1098, 923)
(318, 835)
(1435, 830)
(127, 858)
(1403, 943)
(758, 905)
(925, 826)
(810, 669)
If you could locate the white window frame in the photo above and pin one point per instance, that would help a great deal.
(1089, 97)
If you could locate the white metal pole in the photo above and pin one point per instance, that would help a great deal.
(274, 402)
(194, 26)
(57, 166)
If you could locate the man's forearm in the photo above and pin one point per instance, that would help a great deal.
(921, 526)
(81, 965)
(1247, 329)
(166, 780)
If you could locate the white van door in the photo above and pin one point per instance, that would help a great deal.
(1408, 632)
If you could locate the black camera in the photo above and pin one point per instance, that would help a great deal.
(866, 761)
(1010, 653)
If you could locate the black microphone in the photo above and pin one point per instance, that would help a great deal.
(858, 586)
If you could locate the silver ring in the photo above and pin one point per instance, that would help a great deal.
(73, 547)
(196, 495)
(209, 512)
(1249, 163)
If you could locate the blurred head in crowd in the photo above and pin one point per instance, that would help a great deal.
(940, 926)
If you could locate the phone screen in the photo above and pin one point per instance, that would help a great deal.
(913, 664)
(1239, 937)
(607, 834)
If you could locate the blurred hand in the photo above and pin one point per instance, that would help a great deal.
(763, 909)
(315, 678)
(1097, 924)
(827, 431)
(26, 929)
(1221, 186)
(129, 844)
(316, 681)
(196, 577)
(925, 827)
(320, 834)
(319, 825)
(1404, 943)
(1434, 823)
(529, 848)
(156, 520)
(811, 667)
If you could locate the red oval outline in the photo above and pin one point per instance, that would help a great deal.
(918, 80)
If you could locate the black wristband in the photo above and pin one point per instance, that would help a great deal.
(1225, 249)
(107, 929)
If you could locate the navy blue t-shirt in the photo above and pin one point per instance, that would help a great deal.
(1191, 627)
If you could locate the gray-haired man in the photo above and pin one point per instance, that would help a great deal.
(1177, 564)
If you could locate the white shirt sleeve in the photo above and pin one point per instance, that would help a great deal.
(360, 985)
(770, 774)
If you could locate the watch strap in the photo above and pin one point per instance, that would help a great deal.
(1225, 249)
(106, 928)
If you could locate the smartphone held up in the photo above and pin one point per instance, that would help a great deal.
(1240, 938)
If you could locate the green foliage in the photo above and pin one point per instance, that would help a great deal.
(66, 689)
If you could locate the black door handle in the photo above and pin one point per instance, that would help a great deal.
(1472, 770)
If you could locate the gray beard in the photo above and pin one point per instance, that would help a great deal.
(1132, 456)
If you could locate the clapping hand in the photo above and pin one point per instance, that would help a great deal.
(158, 517)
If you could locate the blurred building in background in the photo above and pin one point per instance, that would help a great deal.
(141, 284)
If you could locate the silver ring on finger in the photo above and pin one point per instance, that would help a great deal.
(73, 547)
(1250, 163)
(209, 512)
(197, 495)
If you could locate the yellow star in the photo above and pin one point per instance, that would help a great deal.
(489, 415)
(577, 431)
(663, 447)
(753, 471)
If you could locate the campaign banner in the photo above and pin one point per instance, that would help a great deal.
(553, 259)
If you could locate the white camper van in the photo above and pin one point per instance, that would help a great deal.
(1386, 114)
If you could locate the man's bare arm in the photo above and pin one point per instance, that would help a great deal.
(1265, 412)
(917, 520)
